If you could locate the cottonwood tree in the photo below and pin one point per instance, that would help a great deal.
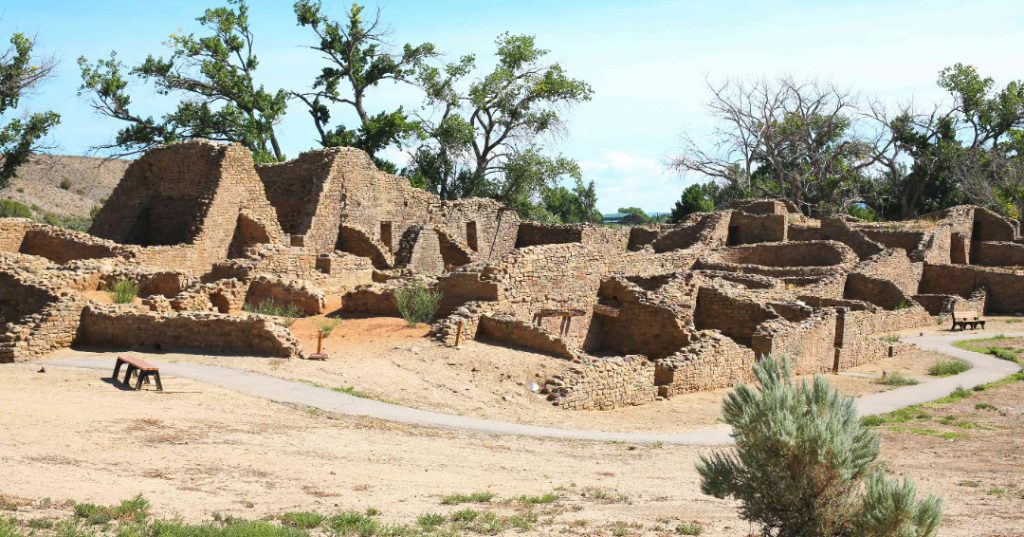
(359, 57)
(954, 153)
(800, 141)
(20, 73)
(216, 76)
(484, 137)
(803, 466)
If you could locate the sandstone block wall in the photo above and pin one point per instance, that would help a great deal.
(604, 384)
(203, 332)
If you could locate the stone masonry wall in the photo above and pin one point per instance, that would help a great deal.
(202, 332)
(604, 384)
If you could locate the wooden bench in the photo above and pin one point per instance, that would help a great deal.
(143, 371)
(965, 319)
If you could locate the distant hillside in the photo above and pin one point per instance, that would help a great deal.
(64, 186)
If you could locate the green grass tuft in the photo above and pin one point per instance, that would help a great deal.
(896, 379)
(689, 528)
(274, 308)
(476, 497)
(302, 519)
(946, 368)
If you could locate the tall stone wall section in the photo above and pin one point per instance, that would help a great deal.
(603, 384)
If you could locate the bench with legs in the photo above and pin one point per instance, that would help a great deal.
(143, 371)
(967, 320)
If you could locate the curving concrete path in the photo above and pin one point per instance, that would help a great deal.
(985, 369)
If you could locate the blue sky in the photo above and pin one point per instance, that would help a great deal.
(647, 61)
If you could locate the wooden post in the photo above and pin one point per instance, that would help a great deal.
(458, 335)
(319, 341)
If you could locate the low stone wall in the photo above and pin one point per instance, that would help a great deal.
(507, 329)
(202, 332)
(809, 345)
(37, 320)
(756, 228)
(997, 254)
(711, 361)
(1005, 287)
(603, 384)
(297, 293)
(859, 333)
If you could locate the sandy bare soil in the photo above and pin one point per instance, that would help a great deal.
(198, 450)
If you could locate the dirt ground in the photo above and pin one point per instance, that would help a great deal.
(70, 434)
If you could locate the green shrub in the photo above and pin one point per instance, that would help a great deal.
(801, 445)
(891, 338)
(417, 302)
(302, 519)
(14, 209)
(896, 379)
(431, 520)
(123, 291)
(65, 184)
(904, 305)
(689, 528)
(8, 528)
(945, 368)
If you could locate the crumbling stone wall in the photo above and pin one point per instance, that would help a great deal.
(602, 384)
(754, 228)
(204, 332)
(632, 323)
(706, 229)
(998, 254)
(809, 345)
(36, 319)
(507, 329)
(287, 292)
(730, 313)
(1004, 287)
(711, 361)
(188, 200)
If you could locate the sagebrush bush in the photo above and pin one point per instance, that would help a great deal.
(804, 466)
(417, 302)
(124, 291)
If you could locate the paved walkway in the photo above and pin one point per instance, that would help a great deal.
(986, 369)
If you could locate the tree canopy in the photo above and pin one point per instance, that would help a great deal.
(358, 58)
(20, 73)
(483, 136)
(215, 77)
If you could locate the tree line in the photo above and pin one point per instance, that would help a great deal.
(831, 151)
(473, 134)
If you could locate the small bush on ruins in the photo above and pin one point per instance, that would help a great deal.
(123, 291)
(65, 184)
(804, 466)
(14, 209)
(327, 326)
(417, 302)
(891, 338)
(946, 368)
(896, 379)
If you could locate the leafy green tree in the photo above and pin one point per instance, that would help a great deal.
(639, 213)
(576, 205)
(20, 73)
(696, 198)
(954, 151)
(803, 466)
(215, 74)
(483, 139)
(358, 58)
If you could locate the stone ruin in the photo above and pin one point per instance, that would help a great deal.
(636, 313)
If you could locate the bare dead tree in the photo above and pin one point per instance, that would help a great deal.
(800, 140)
